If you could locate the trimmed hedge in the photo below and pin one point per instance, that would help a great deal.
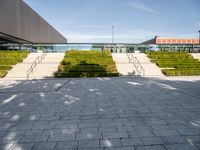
(3, 73)
(179, 72)
(85, 74)
(181, 63)
(10, 61)
(87, 64)
(10, 58)
(87, 67)
(5, 67)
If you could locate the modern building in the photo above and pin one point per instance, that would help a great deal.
(21, 26)
(173, 44)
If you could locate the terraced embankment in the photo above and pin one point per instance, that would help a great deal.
(10, 58)
(176, 63)
(87, 64)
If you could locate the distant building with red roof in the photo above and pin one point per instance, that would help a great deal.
(174, 44)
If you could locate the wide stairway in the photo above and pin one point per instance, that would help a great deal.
(45, 69)
(150, 69)
(20, 69)
(123, 66)
(48, 66)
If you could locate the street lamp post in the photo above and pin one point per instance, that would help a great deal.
(113, 30)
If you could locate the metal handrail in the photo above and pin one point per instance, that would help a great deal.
(34, 64)
(136, 63)
(141, 70)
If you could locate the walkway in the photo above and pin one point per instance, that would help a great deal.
(100, 114)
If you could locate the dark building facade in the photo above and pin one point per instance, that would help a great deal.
(21, 24)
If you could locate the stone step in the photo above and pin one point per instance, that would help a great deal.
(124, 67)
(20, 69)
(46, 68)
(151, 69)
(122, 63)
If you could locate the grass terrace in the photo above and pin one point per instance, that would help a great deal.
(175, 63)
(10, 58)
(87, 64)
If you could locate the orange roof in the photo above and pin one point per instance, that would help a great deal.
(176, 41)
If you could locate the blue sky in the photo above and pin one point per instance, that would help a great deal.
(134, 20)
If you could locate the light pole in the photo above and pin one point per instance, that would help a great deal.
(113, 30)
(199, 40)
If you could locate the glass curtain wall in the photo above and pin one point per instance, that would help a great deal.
(114, 48)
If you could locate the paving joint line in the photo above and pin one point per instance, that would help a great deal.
(183, 92)
(56, 90)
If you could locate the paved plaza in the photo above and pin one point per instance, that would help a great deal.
(125, 113)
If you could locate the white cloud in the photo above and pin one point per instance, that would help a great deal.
(184, 35)
(91, 38)
(94, 26)
(129, 36)
(198, 23)
(98, 26)
(133, 36)
(141, 7)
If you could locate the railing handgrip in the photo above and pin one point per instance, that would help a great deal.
(136, 63)
(34, 64)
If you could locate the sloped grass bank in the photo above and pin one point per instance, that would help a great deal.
(176, 63)
(87, 64)
(10, 58)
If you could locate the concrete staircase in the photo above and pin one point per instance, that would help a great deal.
(48, 66)
(45, 69)
(151, 69)
(19, 70)
(123, 66)
(126, 68)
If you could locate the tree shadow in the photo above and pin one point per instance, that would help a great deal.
(85, 69)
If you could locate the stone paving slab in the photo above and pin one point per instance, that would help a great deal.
(100, 114)
(31, 86)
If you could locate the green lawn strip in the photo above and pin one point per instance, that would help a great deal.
(87, 64)
(182, 64)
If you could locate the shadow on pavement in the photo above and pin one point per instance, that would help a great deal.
(100, 113)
